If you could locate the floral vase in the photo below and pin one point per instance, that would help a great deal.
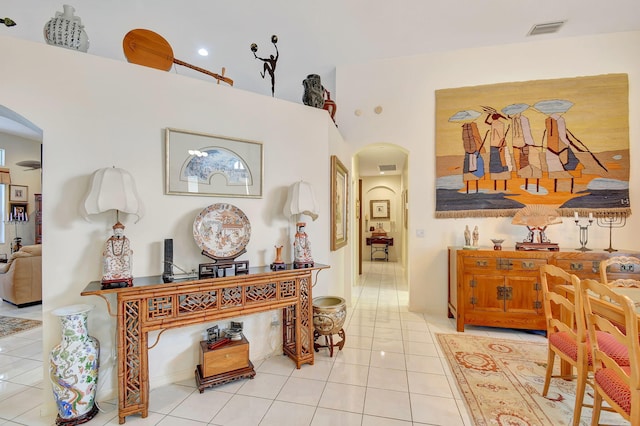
(73, 367)
(66, 30)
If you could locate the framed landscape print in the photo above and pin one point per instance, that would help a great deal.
(339, 203)
(210, 165)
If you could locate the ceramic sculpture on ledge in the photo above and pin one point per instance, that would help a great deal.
(66, 30)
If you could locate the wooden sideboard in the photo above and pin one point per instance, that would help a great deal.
(502, 288)
(152, 305)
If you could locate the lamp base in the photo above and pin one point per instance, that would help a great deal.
(300, 265)
(123, 282)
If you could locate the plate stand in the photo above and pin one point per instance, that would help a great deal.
(219, 266)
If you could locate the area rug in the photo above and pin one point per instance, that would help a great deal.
(12, 325)
(501, 382)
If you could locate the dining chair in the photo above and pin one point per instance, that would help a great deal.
(621, 265)
(566, 332)
(618, 385)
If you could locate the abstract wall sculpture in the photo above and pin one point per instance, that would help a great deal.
(562, 143)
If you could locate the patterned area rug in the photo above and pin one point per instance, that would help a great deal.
(11, 325)
(501, 382)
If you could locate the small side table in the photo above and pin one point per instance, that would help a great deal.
(385, 242)
(224, 364)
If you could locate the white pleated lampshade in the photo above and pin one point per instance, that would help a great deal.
(300, 200)
(112, 189)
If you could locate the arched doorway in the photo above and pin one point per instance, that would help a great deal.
(21, 143)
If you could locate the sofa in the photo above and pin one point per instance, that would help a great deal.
(21, 277)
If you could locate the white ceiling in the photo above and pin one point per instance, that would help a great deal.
(317, 37)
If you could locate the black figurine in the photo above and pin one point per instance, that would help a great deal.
(269, 63)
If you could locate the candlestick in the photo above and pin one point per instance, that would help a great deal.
(584, 231)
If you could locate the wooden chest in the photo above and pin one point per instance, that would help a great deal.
(232, 356)
(224, 364)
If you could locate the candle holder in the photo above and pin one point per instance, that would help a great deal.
(584, 233)
(613, 221)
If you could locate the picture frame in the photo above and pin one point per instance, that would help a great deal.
(18, 193)
(18, 212)
(212, 165)
(339, 204)
(380, 209)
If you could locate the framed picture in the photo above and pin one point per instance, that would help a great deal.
(18, 193)
(380, 209)
(339, 203)
(210, 165)
(18, 212)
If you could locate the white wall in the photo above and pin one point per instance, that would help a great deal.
(96, 113)
(20, 149)
(405, 89)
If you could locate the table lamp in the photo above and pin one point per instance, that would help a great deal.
(300, 200)
(114, 189)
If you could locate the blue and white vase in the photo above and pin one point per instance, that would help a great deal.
(66, 30)
(73, 367)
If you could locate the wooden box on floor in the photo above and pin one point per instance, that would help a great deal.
(224, 364)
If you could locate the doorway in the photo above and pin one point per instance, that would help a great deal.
(381, 176)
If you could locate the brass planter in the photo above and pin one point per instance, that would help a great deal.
(329, 314)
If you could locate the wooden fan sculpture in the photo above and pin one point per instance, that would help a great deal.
(145, 47)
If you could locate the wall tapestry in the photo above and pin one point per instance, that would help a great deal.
(563, 143)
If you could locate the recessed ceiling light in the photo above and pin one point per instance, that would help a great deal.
(203, 52)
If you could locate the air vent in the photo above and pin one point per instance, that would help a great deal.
(387, 168)
(548, 28)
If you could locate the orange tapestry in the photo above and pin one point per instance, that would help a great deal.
(563, 143)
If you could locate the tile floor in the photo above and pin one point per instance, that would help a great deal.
(389, 373)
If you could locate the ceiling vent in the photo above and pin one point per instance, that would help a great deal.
(548, 28)
(387, 168)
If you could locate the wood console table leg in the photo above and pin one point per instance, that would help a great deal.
(133, 370)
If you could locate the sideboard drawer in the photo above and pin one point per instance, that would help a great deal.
(582, 268)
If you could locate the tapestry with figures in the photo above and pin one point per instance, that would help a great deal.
(563, 143)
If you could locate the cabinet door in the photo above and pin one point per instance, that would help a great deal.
(486, 293)
(523, 295)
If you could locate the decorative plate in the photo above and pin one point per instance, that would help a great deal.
(222, 230)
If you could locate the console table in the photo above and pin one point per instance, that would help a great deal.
(152, 305)
(384, 241)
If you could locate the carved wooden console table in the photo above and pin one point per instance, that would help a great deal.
(151, 305)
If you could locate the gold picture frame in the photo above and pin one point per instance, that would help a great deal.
(339, 204)
(380, 209)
